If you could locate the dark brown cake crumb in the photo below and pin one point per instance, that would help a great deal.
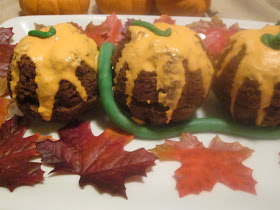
(145, 105)
(68, 104)
(248, 99)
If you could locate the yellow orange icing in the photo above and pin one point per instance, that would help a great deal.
(164, 55)
(56, 58)
(260, 63)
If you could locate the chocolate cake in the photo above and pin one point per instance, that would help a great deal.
(161, 80)
(54, 78)
(247, 81)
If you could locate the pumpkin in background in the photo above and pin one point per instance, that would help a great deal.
(139, 7)
(54, 7)
(183, 7)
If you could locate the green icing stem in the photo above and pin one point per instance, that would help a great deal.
(151, 28)
(198, 125)
(272, 41)
(42, 34)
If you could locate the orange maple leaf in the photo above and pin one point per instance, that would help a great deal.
(203, 167)
(108, 31)
(166, 19)
(4, 105)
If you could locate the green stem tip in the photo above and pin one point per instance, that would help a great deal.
(272, 41)
(151, 28)
(42, 34)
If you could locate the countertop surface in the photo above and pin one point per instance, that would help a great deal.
(259, 10)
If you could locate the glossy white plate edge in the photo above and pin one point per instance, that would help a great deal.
(157, 190)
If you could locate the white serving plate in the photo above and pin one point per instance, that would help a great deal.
(157, 190)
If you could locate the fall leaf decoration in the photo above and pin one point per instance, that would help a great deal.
(109, 31)
(15, 154)
(165, 19)
(6, 50)
(99, 160)
(4, 105)
(127, 24)
(203, 167)
(3, 86)
(217, 34)
(77, 26)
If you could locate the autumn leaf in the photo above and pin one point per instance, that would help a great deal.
(5, 35)
(38, 27)
(6, 50)
(3, 86)
(127, 24)
(108, 31)
(99, 160)
(203, 167)
(4, 105)
(78, 26)
(15, 154)
(166, 19)
(217, 34)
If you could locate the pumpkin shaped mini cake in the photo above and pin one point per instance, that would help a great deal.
(54, 78)
(161, 79)
(247, 81)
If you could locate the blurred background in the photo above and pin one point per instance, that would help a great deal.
(259, 10)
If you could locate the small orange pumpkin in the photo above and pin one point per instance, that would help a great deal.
(54, 7)
(139, 7)
(183, 7)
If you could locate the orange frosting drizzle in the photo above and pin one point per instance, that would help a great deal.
(56, 58)
(164, 55)
(260, 63)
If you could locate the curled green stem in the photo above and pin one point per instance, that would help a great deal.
(198, 125)
(272, 41)
(151, 28)
(43, 34)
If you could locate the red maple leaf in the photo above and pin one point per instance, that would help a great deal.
(15, 154)
(217, 35)
(77, 26)
(5, 35)
(166, 19)
(203, 167)
(99, 160)
(4, 105)
(127, 24)
(108, 31)
(6, 50)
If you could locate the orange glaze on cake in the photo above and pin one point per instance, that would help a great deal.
(56, 58)
(164, 55)
(260, 63)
